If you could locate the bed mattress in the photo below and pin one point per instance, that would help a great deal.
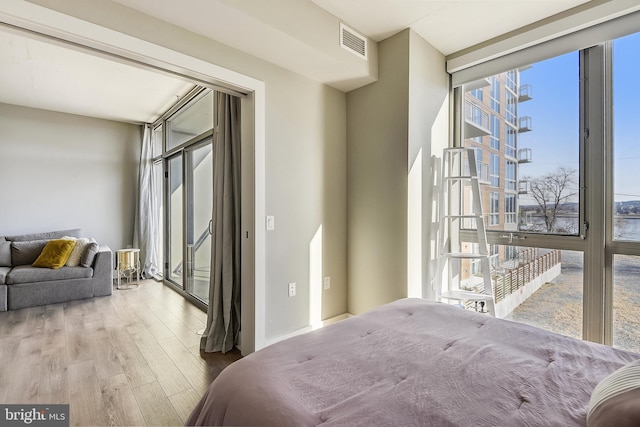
(413, 363)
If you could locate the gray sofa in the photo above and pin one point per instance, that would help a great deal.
(22, 285)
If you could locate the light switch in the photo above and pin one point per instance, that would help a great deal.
(327, 282)
(271, 223)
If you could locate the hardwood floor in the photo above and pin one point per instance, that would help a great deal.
(131, 358)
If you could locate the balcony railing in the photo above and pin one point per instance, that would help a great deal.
(525, 155)
(476, 121)
(477, 84)
(523, 187)
(524, 124)
(525, 93)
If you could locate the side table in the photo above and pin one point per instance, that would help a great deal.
(128, 264)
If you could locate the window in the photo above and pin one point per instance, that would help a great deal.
(495, 94)
(191, 120)
(511, 108)
(495, 132)
(586, 156)
(624, 229)
(510, 144)
(477, 94)
(511, 81)
(510, 175)
(510, 209)
(494, 170)
(494, 213)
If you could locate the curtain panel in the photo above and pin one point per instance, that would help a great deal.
(223, 313)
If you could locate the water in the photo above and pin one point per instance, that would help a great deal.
(624, 227)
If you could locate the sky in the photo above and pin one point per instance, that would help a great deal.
(554, 110)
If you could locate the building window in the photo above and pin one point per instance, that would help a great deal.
(495, 94)
(494, 170)
(494, 203)
(495, 132)
(512, 80)
(477, 94)
(511, 108)
(510, 209)
(510, 175)
(510, 142)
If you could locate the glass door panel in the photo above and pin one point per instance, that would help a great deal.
(199, 225)
(175, 188)
(158, 212)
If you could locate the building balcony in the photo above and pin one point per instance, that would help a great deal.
(477, 84)
(524, 124)
(525, 155)
(476, 121)
(525, 93)
(523, 187)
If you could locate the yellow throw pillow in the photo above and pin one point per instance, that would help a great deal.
(55, 254)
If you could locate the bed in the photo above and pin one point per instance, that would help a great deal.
(413, 362)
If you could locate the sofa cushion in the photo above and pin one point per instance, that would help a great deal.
(76, 232)
(3, 275)
(77, 252)
(5, 253)
(55, 254)
(29, 274)
(25, 253)
(89, 254)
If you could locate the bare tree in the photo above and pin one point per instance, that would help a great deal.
(550, 191)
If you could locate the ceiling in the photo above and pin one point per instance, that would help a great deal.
(42, 75)
(293, 34)
(448, 25)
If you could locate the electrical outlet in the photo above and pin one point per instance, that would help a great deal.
(292, 289)
(327, 283)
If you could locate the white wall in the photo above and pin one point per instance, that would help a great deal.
(60, 171)
(305, 163)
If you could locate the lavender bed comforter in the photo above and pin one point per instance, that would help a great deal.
(413, 363)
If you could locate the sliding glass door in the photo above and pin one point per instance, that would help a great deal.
(189, 196)
(199, 226)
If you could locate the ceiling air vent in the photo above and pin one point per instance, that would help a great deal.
(353, 42)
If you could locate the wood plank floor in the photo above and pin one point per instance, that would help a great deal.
(128, 359)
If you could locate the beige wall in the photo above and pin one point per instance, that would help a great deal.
(377, 134)
(394, 127)
(305, 162)
(62, 171)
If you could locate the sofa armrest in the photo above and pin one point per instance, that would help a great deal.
(103, 272)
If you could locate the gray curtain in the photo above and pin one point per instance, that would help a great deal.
(223, 314)
(147, 210)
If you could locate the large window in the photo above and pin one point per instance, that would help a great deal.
(625, 200)
(577, 206)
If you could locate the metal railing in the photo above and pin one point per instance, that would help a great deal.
(474, 114)
(531, 265)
